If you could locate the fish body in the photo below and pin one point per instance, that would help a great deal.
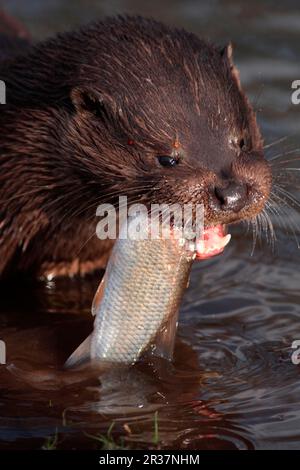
(145, 283)
(136, 305)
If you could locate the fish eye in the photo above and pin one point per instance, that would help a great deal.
(168, 160)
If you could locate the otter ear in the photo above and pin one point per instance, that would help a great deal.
(227, 55)
(86, 100)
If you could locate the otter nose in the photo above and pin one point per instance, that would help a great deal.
(233, 197)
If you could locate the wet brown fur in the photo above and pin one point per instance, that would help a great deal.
(87, 114)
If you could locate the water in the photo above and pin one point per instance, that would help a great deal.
(233, 384)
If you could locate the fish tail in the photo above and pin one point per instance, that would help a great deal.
(80, 355)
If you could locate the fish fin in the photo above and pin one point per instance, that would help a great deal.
(99, 294)
(80, 355)
(163, 344)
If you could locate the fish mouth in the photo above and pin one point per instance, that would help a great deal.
(213, 241)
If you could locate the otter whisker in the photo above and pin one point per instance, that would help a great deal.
(160, 214)
(286, 179)
(279, 165)
(38, 190)
(254, 225)
(292, 225)
(283, 154)
(288, 195)
(94, 232)
(270, 231)
(263, 228)
(259, 228)
(258, 97)
(248, 225)
(292, 169)
(72, 214)
(87, 208)
(274, 210)
(278, 141)
(278, 212)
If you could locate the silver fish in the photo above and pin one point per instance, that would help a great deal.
(137, 302)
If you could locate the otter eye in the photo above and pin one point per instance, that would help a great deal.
(167, 160)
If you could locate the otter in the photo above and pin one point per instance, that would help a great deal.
(125, 106)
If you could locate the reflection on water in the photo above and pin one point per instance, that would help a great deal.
(233, 384)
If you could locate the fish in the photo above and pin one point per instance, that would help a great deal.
(137, 303)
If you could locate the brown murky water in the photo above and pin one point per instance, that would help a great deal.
(232, 384)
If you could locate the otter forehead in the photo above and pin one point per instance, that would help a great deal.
(166, 82)
(171, 77)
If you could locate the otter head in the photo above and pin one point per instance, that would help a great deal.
(161, 117)
(130, 107)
